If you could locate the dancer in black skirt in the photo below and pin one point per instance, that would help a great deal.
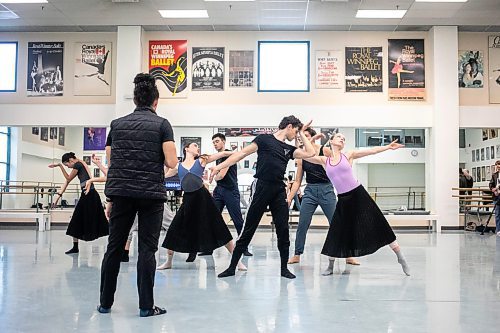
(358, 227)
(198, 225)
(88, 221)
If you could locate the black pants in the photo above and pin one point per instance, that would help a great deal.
(231, 199)
(150, 214)
(265, 194)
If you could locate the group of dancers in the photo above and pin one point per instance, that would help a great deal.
(357, 226)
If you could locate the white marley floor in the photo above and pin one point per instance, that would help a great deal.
(454, 287)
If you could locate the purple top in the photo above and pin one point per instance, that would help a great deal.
(341, 175)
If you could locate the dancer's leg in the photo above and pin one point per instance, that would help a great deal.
(329, 269)
(168, 263)
(307, 209)
(401, 259)
(230, 247)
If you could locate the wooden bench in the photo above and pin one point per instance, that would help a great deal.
(432, 219)
(43, 219)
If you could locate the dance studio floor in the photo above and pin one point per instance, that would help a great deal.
(454, 287)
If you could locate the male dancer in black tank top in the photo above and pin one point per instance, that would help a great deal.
(267, 188)
(319, 191)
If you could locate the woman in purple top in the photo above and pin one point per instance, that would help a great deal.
(198, 225)
(358, 226)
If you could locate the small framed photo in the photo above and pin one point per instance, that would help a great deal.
(87, 159)
(488, 172)
(246, 164)
(474, 174)
(234, 146)
(483, 173)
(254, 166)
(482, 154)
(477, 155)
(473, 156)
(487, 153)
(492, 152)
(485, 134)
(35, 130)
(97, 173)
(53, 133)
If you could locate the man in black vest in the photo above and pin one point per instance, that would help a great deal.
(226, 193)
(138, 147)
(268, 189)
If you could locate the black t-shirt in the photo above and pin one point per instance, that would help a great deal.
(230, 180)
(315, 173)
(83, 175)
(272, 157)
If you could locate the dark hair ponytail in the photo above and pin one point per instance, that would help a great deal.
(145, 91)
(65, 158)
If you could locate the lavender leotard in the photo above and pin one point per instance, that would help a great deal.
(341, 175)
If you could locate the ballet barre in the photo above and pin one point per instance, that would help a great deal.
(43, 219)
(481, 200)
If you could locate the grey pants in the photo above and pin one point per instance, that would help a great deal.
(168, 216)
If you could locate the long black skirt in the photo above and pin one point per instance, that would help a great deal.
(358, 226)
(88, 221)
(198, 225)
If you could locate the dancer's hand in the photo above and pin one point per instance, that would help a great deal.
(318, 136)
(107, 212)
(213, 172)
(88, 185)
(306, 126)
(54, 165)
(395, 145)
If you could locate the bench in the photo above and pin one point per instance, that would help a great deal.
(292, 215)
(432, 219)
(43, 219)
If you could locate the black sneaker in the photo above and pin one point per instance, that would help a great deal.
(72, 250)
(247, 254)
(102, 309)
(155, 311)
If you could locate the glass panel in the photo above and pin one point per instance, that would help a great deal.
(3, 147)
(371, 137)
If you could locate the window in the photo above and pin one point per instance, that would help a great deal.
(8, 66)
(370, 137)
(4, 153)
(283, 66)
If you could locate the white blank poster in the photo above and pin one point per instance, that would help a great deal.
(283, 66)
(8, 61)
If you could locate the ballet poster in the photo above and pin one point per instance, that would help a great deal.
(94, 138)
(92, 69)
(328, 69)
(470, 69)
(208, 68)
(168, 64)
(406, 70)
(241, 68)
(494, 68)
(363, 69)
(45, 69)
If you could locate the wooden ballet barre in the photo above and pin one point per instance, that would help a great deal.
(471, 196)
(479, 206)
(485, 189)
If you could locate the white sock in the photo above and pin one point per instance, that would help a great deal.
(402, 261)
(329, 269)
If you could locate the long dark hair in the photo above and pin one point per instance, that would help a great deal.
(145, 90)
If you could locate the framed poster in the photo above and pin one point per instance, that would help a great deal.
(208, 68)
(494, 68)
(62, 136)
(44, 134)
(474, 174)
(482, 154)
(487, 153)
(94, 138)
(241, 68)
(485, 134)
(470, 69)
(45, 69)
(168, 64)
(185, 140)
(87, 159)
(473, 156)
(406, 70)
(234, 146)
(328, 69)
(483, 173)
(92, 69)
(35, 130)
(363, 69)
(53, 133)
(477, 155)
(492, 152)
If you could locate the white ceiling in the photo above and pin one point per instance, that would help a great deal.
(323, 15)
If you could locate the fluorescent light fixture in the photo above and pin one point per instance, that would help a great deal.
(376, 13)
(23, 1)
(441, 0)
(183, 13)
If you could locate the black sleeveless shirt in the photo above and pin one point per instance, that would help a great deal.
(315, 173)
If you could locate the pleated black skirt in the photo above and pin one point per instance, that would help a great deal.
(88, 221)
(198, 225)
(358, 226)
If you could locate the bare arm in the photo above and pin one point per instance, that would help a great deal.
(296, 184)
(171, 172)
(108, 155)
(233, 159)
(65, 174)
(170, 154)
(221, 174)
(372, 151)
(321, 160)
(308, 150)
(215, 157)
(99, 164)
(71, 176)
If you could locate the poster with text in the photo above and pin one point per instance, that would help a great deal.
(45, 69)
(62, 136)
(208, 68)
(406, 70)
(494, 68)
(328, 69)
(168, 64)
(363, 69)
(470, 69)
(94, 138)
(93, 69)
(241, 69)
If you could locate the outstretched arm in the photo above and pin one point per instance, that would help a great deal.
(215, 157)
(308, 150)
(233, 159)
(65, 174)
(372, 151)
(321, 160)
(71, 176)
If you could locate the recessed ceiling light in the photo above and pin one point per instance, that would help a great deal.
(184, 13)
(23, 1)
(441, 0)
(376, 13)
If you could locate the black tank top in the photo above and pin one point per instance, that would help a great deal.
(315, 173)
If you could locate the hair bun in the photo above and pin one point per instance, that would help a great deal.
(144, 79)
